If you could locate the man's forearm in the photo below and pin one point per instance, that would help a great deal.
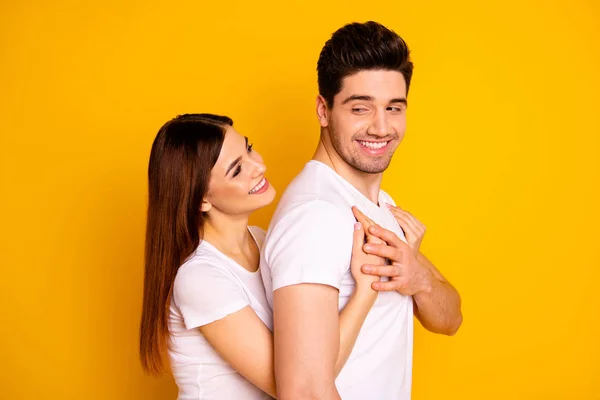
(439, 307)
(437, 303)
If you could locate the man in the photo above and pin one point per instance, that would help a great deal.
(364, 72)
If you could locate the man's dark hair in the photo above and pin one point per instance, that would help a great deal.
(357, 47)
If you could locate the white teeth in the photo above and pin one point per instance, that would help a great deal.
(372, 145)
(259, 186)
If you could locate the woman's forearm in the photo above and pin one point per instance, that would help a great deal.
(352, 317)
(247, 345)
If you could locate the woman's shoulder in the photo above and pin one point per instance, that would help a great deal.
(203, 262)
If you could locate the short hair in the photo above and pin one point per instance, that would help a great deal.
(357, 47)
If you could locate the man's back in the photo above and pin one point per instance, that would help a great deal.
(310, 241)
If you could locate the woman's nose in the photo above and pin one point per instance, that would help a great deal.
(259, 169)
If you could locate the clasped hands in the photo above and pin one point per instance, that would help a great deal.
(407, 274)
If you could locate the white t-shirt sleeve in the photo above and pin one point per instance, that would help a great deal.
(311, 244)
(205, 292)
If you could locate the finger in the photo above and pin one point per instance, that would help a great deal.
(393, 207)
(385, 251)
(366, 222)
(415, 221)
(397, 284)
(418, 224)
(406, 216)
(358, 239)
(387, 236)
(362, 218)
(374, 239)
(386, 270)
(399, 211)
(418, 227)
(404, 220)
(406, 224)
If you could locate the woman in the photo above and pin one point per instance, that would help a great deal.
(204, 301)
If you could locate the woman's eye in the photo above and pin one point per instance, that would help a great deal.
(237, 171)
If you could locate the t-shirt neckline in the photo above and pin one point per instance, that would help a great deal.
(348, 184)
(231, 260)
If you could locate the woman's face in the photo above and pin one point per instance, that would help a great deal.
(237, 183)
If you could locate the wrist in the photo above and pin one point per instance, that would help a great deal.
(427, 282)
(364, 292)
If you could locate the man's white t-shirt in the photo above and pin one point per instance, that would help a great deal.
(310, 241)
(208, 287)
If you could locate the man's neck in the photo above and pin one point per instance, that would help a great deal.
(368, 184)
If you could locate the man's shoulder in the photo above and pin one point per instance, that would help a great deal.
(313, 189)
(313, 213)
(310, 213)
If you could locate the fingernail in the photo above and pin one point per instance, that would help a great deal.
(368, 247)
(375, 285)
(373, 228)
(388, 204)
(357, 226)
(367, 269)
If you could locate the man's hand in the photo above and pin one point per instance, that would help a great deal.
(407, 274)
(413, 229)
(436, 302)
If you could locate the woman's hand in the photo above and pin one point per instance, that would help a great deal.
(413, 229)
(359, 257)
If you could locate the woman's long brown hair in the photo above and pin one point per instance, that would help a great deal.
(183, 154)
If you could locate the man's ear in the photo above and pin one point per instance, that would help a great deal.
(322, 111)
(205, 206)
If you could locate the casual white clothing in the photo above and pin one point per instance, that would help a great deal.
(208, 287)
(310, 241)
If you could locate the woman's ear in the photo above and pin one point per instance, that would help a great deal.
(205, 206)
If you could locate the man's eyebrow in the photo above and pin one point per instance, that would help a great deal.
(358, 97)
(399, 100)
(370, 98)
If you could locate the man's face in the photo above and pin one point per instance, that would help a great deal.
(368, 119)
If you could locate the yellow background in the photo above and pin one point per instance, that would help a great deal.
(500, 161)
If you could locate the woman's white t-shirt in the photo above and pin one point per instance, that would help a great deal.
(208, 287)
